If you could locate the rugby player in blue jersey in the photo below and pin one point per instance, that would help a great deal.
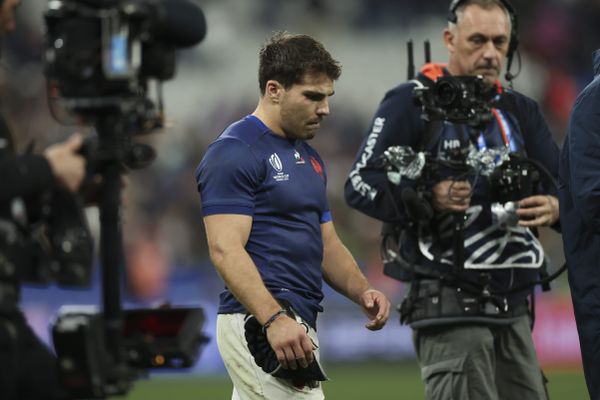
(268, 224)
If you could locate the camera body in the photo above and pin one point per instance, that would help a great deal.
(151, 338)
(513, 180)
(457, 99)
(104, 49)
(47, 241)
(101, 56)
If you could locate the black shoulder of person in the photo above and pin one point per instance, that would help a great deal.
(44, 236)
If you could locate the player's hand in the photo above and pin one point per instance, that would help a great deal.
(67, 165)
(450, 195)
(377, 307)
(539, 210)
(291, 343)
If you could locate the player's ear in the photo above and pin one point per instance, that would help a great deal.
(274, 90)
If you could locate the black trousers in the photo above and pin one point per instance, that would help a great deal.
(28, 369)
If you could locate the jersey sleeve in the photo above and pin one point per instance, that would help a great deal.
(583, 146)
(227, 178)
(396, 123)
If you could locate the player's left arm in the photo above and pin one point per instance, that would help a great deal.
(342, 273)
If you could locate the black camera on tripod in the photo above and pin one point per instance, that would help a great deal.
(457, 99)
(47, 241)
(102, 57)
(103, 53)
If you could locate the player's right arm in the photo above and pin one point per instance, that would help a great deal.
(227, 235)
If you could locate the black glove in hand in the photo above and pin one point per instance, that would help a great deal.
(265, 357)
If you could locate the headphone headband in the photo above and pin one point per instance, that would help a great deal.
(457, 3)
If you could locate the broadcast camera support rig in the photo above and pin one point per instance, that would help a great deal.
(101, 354)
(455, 99)
(450, 99)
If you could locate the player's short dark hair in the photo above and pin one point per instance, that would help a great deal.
(287, 57)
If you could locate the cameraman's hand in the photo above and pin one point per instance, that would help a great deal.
(539, 210)
(67, 165)
(450, 195)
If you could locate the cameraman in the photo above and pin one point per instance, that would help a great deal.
(472, 330)
(28, 368)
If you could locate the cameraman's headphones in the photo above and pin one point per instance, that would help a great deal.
(514, 34)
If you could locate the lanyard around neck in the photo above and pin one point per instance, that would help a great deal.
(505, 131)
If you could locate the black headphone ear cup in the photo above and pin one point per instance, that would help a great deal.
(452, 10)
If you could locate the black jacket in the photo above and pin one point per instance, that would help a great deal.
(22, 175)
(26, 177)
(579, 191)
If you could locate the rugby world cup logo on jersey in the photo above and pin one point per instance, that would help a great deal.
(277, 165)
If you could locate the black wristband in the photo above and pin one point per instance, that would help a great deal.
(272, 319)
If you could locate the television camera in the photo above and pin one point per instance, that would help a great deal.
(509, 177)
(103, 58)
(458, 99)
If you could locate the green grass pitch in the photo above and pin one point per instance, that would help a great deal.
(376, 381)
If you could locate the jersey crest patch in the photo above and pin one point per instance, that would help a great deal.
(317, 167)
(298, 157)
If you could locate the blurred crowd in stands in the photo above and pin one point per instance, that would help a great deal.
(163, 231)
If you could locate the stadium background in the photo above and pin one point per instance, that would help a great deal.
(217, 84)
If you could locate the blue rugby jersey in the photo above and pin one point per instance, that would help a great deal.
(280, 183)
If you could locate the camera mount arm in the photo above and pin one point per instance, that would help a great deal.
(110, 129)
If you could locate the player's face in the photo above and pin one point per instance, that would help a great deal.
(479, 43)
(7, 17)
(304, 105)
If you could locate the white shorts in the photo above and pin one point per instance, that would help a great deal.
(250, 382)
